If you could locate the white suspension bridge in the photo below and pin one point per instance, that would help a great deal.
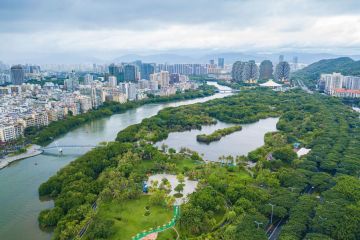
(61, 147)
(227, 90)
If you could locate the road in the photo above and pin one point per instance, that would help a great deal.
(273, 234)
(303, 86)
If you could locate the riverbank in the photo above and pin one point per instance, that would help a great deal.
(20, 182)
(58, 128)
(32, 151)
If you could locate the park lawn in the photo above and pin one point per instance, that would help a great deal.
(186, 164)
(169, 234)
(182, 165)
(129, 216)
(239, 175)
(146, 165)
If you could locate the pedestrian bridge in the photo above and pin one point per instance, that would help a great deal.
(59, 147)
(227, 90)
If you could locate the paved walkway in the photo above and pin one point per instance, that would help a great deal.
(146, 234)
(32, 151)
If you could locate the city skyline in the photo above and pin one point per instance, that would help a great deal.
(36, 31)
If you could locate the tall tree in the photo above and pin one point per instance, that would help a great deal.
(266, 70)
(250, 72)
(282, 72)
(237, 71)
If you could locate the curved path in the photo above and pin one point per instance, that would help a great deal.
(32, 151)
(170, 224)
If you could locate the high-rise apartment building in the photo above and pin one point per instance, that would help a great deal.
(221, 62)
(295, 63)
(17, 75)
(72, 83)
(336, 84)
(352, 82)
(332, 81)
(112, 81)
(132, 91)
(88, 79)
(281, 58)
(162, 78)
(174, 78)
(130, 73)
(117, 71)
(146, 70)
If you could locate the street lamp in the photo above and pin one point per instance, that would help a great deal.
(258, 224)
(272, 212)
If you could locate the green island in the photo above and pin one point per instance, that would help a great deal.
(315, 196)
(217, 134)
(46, 134)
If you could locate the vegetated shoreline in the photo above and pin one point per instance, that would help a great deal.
(217, 134)
(47, 134)
(116, 171)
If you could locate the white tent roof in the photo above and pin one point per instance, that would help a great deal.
(303, 151)
(270, 83)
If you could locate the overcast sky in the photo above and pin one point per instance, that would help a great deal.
(104, 29)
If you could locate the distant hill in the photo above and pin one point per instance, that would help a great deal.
(310, 74)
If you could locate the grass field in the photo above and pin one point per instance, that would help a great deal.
(169, 234)
(129, 217)
(186, 164)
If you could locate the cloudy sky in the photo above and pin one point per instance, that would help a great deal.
(35, 29)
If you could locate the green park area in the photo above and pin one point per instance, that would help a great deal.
(315, 196)
(130, 216)
(169, 234)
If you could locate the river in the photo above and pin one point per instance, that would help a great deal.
(19, 182)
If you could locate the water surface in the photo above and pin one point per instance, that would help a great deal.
(235, 144)
(19, 182)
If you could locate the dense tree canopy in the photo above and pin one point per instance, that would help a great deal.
(316, 196)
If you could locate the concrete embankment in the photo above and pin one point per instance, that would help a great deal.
(31, 151)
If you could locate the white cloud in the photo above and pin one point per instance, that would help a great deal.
(227, 25)
(324, 31)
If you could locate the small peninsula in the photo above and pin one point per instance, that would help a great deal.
(218, 134)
